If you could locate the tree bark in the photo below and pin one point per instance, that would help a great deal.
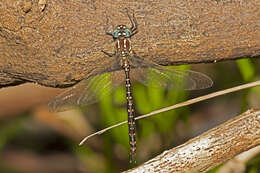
(58, 43)
(238, 163)
(210, 149)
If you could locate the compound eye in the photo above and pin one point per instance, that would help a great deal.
(127, 32)
(115, 33)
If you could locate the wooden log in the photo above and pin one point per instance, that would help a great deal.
(58, 43)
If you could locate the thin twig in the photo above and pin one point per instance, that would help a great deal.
(189, 102)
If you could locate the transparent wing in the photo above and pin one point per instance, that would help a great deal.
(86, 92)
(90, 90)
(173, 79)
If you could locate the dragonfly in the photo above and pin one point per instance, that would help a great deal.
(125, 65)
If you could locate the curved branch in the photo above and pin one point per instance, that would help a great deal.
(211, 148)
(59, 43)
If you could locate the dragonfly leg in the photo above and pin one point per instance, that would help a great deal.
(134, 24)
(106, 28)
(133, 33)
(108, 54)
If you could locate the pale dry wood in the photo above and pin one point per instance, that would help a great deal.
(210, 149)
(58, 43)
(238, 163)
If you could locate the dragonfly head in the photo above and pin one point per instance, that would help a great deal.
(121, 31)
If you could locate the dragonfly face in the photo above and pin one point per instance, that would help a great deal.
(121, 31)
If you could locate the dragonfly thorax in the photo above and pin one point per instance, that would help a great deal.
(123, 47)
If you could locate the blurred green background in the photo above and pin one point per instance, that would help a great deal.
(35, 140)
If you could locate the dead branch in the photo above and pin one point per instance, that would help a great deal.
(58, 43)
(210, 149)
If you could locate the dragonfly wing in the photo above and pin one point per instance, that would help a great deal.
(154, 75)
(86, 92)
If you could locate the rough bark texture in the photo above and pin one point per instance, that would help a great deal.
(58, 42)
(238, 164)
(210, 149)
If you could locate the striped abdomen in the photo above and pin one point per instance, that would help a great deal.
(131, 116)
(123, 47)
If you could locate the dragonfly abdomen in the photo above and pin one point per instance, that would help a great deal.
(131, 117)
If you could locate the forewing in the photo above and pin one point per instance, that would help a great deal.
(90, 90)
(154, 75)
